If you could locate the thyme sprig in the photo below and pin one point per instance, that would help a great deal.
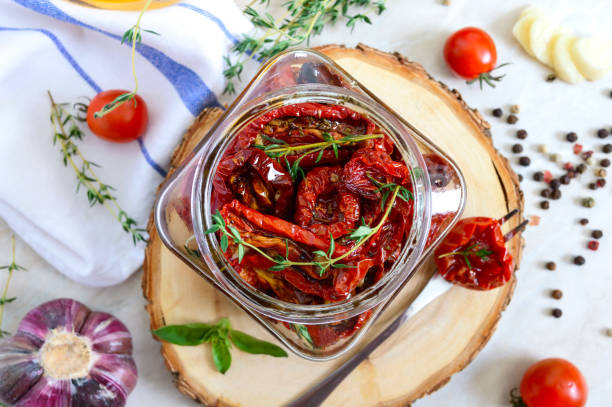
(280, 148)
(470, 250)
(302, 19)
(324, 260)
(11, 268)
(386, 188)
(97, 191)
(134, 36)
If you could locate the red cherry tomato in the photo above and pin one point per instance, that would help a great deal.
(470, 52)
(125, 123)
(553, 383)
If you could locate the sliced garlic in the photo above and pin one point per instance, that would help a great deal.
(562, 59)
(593, 56)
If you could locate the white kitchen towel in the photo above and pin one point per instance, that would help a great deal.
(76, 51)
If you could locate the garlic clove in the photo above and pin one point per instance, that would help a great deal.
(562, 59)
(47, 393)
(593, 56)
(57, 314)
(18, 367)
(116, 371)
(107, 333)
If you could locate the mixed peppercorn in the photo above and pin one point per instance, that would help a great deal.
(552, 190)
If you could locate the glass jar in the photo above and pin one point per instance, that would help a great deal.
(183, 210)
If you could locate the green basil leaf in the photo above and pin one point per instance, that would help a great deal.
(332, 245)
(224, 242)
(249, 344)
(221, 355)
(184, 335)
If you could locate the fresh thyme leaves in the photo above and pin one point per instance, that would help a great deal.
(386, 188)
(470, 250)
(323, 261)
(302, 19)
(11, 268)
(280, 149)
(97, 191)
(134, 36)
(302, 332)
(221, 336)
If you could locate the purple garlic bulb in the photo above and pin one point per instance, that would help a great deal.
(65, 355)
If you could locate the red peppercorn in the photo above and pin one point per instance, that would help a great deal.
(577, 148)
(547, 176)
(601, 182)
(593, 245)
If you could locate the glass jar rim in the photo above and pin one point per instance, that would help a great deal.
(301, 313)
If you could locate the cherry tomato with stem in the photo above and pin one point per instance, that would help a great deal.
(125, 122)
(552, 382)
(471, 54)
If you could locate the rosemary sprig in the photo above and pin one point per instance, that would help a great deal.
(386, 188)
(302, 19)
(470, 250)
(280, 148)
(324, 259)
(134, 36)
(97, 191)
(11, 268)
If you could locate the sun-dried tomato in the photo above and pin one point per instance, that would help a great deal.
(367, 164)
(323, 206)
(257, 180)
(474, 255)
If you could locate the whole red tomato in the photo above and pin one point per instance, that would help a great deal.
(471, 54)
(126, 122)
(553, 383)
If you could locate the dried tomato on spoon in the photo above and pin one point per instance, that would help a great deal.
(474, 254)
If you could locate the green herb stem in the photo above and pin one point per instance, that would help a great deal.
(11, 268)
(316, 147)
(97, 191)
(135, 36)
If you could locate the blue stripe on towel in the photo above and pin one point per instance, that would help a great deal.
(64, 53)
(89, 81)
(212, 18)
(191, 88)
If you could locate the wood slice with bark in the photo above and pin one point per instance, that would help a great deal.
(419, 358)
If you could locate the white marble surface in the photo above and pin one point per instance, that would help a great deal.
(526, 332)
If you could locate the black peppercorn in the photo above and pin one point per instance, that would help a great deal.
(556, 194)
(592, 185)
(571, 137)
(551, 265)
(564, 179)
(546, 193)
(605, 163)
(522, 134)
(580, 168)
(557, 313)
(524, 161)
(607, 148)
(544, 204)
(603, 133)
(579, 260)
(517, 148)
(498, 112)
(538, 176)
(556, 294)
(512, 119)
(520, 177)
(554, 183)
(584, 221)
(597, 234)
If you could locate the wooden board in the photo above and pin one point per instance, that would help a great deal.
(437, 342)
